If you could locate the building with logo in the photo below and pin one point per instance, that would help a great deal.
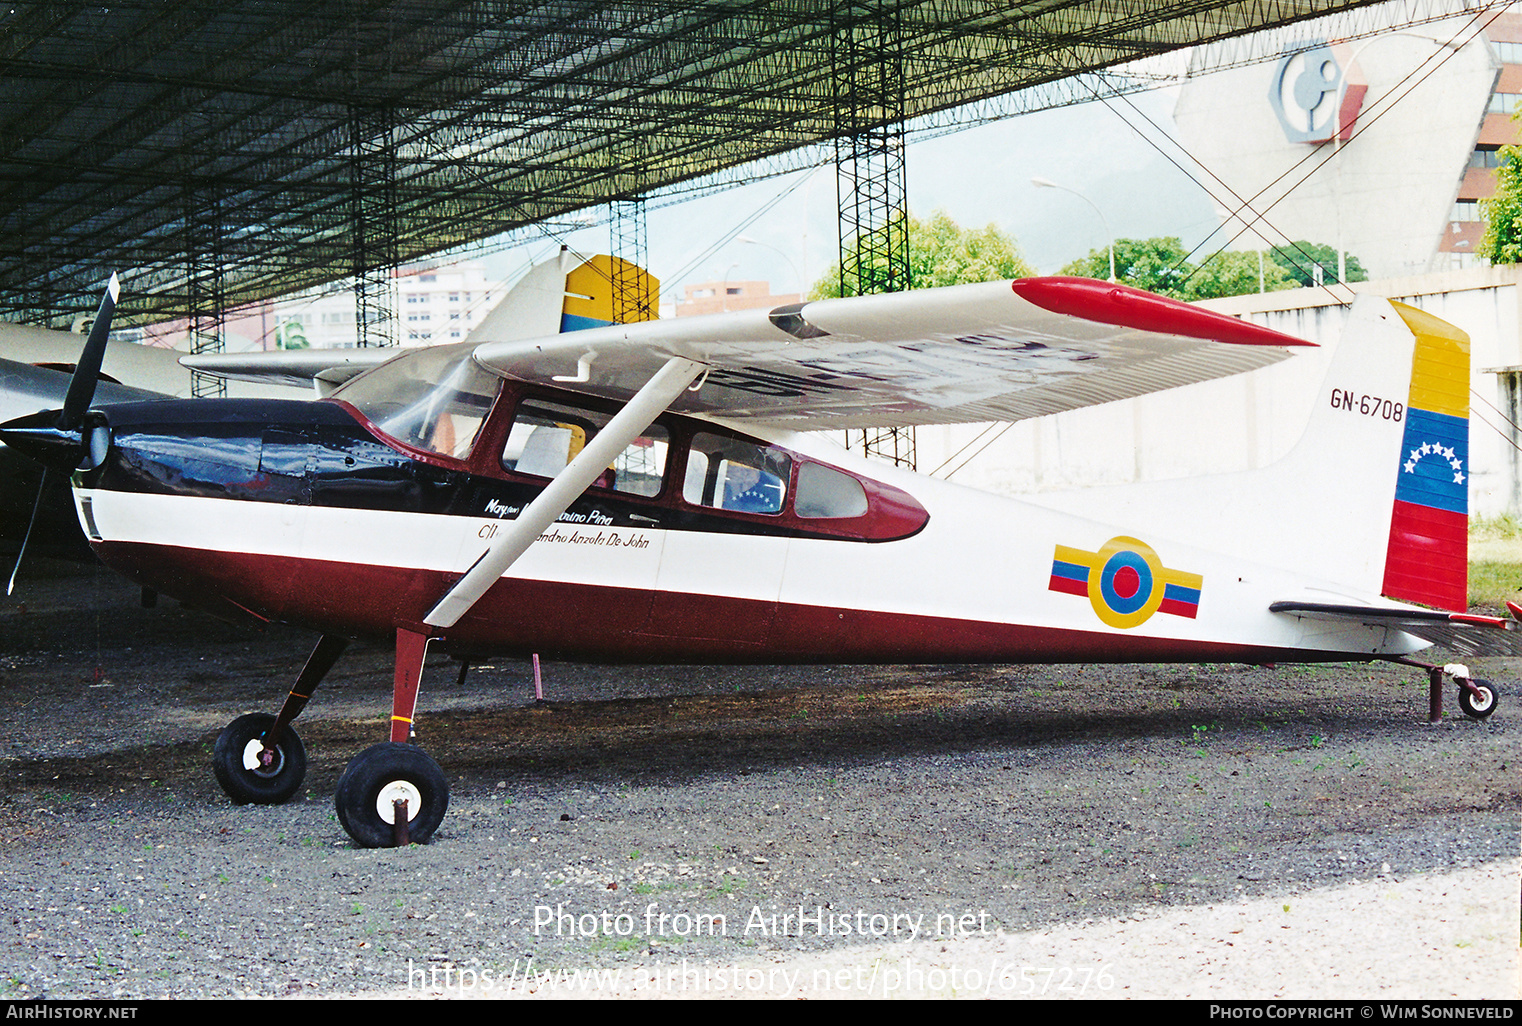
(1380, 147)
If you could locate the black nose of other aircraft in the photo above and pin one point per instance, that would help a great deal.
(69, 438)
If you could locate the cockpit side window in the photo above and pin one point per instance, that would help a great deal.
(727, 473)
(434, 399)
(546, 435)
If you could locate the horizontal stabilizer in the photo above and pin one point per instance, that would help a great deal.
(1466, 633)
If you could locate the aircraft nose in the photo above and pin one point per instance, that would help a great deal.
(38, 437)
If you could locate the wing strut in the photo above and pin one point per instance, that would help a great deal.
(637, 415)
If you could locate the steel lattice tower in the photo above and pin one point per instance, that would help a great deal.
(632, 300)
(205, 291)
(372, 156)
(867, 55)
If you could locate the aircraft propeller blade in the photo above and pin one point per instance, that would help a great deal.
(87, 370)
(42, 485)
(63, 442)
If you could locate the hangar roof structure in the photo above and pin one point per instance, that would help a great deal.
(284, 140)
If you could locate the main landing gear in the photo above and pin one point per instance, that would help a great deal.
(392, 793)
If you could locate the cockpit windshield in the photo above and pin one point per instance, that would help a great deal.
(435, 398)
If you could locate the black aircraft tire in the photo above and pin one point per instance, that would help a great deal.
(258, 786)
(380, 773)
(1480, 707)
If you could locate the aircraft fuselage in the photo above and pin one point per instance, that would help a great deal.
(307, 512)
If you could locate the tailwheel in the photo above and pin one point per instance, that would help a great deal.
(247, 772)
(373, 782)
(1477, 698)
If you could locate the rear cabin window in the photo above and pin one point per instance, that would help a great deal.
(545, 436)
(726, 473)
(824, 492)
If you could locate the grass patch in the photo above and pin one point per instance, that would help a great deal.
(1495, 561)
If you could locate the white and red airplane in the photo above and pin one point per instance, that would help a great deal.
(654, 492)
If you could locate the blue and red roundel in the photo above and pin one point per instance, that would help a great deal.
(1125, 582)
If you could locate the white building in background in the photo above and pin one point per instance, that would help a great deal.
(1379, 146)
(435, 304)
(438, 305)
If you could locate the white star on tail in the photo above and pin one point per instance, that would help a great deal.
(1446, 452)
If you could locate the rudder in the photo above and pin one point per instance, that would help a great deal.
(1427, 558)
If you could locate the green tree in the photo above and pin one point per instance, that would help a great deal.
(1161, 265)
(1158, 265)
(1300, 259)
(1502, 243)
(941, 252)
(291, 335)
(1236, 273)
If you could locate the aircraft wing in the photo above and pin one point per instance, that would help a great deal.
(303, 368)
(1467, 633)
(994, 351)
(27, 389)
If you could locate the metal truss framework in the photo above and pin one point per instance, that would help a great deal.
(632, 299)
(373, 224)
(870, 174)
(484, 116)
(204, 284)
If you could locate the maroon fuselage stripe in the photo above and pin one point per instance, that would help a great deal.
(596, 623)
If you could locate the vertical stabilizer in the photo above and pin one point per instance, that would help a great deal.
(1428, 555)
(567, 294)
(591, 293)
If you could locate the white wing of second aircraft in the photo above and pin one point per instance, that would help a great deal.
(570, 289)
(996, 351)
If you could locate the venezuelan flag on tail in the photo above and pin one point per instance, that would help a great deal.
(608, 290)
(1428, 556)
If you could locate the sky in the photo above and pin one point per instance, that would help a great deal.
(978, 176)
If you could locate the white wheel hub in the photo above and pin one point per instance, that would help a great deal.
(395, 790)
(251, 753)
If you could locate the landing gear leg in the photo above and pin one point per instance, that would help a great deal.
(394, 792)
(1477, 697)
(258, 759)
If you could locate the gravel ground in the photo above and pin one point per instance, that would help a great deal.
(1132, 830)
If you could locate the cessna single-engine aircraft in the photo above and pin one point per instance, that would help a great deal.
(652, 492)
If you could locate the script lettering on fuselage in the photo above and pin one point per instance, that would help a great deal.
(602, 539)
(555, 536)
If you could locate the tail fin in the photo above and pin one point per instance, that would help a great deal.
(1372, 500)
(1428, 554)
(608, 290)
(570, 293)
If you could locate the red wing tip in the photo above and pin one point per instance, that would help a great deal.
(1515, 610)
(1109, 302)
(1484, 621)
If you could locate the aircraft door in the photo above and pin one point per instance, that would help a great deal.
(599, 559)
(720, 574)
